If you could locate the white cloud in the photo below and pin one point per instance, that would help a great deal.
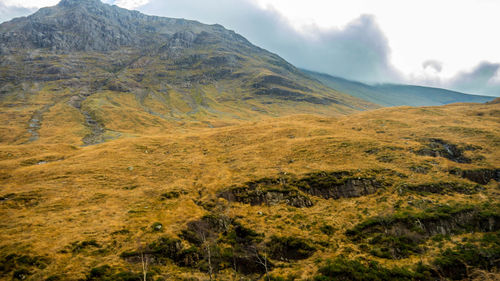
(29, 3)
(460, 33)
(358, 50)
(482, 79)
(433, 66)
(128, 4)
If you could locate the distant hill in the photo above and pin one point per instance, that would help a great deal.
(394, 94)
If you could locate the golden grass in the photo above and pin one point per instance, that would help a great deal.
(80, 193)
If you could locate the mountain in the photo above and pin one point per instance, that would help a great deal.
(96, 64)
(394, 94)
(144, 148)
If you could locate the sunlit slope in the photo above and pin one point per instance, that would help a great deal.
(77, 212)
(109, 72)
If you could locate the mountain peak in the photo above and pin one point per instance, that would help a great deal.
(75, 3)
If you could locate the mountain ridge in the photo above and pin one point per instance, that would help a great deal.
(388, 94)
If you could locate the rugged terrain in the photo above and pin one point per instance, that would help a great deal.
(165, 149)
(298, 190)
(151, 71)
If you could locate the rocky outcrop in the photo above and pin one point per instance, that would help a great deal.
(259, 196)
(292, 191)
(443, 220)
(338, 185)
(97, 130)
(204, 241)
(270, 80)
(400, 235)
(481, 176)
(441, 148)
(90, 25)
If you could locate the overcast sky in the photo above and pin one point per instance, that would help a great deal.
(443, 43)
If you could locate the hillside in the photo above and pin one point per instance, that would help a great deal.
(394, 94)
(94, 64)
(295, 191)
(135, 148)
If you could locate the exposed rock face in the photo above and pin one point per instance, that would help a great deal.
(90, 25)
(266, 191)
(441, 148)
(294, 96)
(403, 233)
(439, 222)
(338, 185)
(85, 25)
(481, 176)
(289, 190)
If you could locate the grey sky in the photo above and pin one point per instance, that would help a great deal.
(479, 79)
(9, 12)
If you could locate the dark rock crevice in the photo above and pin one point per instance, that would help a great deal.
(97, 129)
(441, 148)
(480, 176)
(338, 185)
(292, 191)
(35, 122)
(257, 195)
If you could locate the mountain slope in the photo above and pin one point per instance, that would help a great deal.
(404, 187)
(115, 72)
(394, 94)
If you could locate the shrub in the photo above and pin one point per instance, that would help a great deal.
(108, 273)
(289, 248)
(327, 229)
(342, 269)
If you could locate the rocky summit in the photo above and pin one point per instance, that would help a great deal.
(135, 147)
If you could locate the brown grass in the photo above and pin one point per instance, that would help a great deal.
(84, 193)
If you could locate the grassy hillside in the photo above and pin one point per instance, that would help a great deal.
(305, 197)
(396, 95)
(149, 94)
(80, 63)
